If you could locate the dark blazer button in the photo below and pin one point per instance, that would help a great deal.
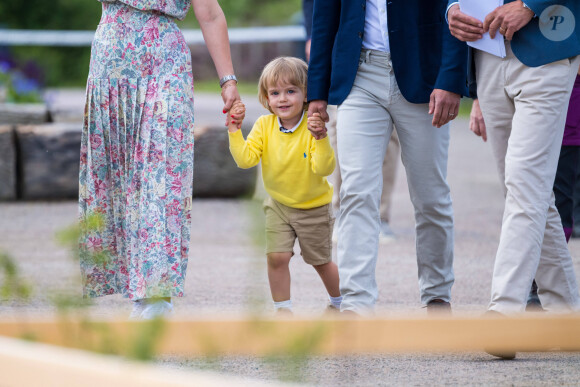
(363, 5)
(360, 35)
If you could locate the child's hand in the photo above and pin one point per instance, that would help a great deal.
(316, 122)
(235, 116)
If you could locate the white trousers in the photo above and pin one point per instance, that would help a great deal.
(365, 122)
(524, 109)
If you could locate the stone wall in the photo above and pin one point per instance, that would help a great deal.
(7, 163)
(39, 162)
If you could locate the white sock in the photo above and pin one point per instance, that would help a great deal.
(283, 304)
(335, 301)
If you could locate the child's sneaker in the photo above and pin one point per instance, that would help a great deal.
(331, 310)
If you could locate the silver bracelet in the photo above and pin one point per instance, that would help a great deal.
(228, 78)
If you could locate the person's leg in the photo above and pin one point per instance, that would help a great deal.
(279, 275)
(363, 129)
(555, 278)
(390, 166)
(530, 159)
(424, 150)
(564, 186)
(280, 238)
(328, 273)
(564, 198)
(576, 210)
(334, 178)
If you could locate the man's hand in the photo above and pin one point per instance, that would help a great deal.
(318, 106)
(508, 19)
(444, 105)
(464, 27)
(476, 123)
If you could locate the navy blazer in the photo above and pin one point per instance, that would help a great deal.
(424, 54)
(550, 36)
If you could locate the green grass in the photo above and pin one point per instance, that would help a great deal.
(213, 86)
(465, 107)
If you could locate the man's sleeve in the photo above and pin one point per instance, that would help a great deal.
(307, 8)
(453, 71)
(539, 5)
(325, 21)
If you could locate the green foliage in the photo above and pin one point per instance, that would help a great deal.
(68, 66)
(12, 286)
(70, 236)
(148, 335)
(246, 13)
(50, 15)
(63, 66)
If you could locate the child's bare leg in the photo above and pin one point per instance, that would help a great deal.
(279, 275)
(328, 272)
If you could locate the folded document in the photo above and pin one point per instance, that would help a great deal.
(479, 9)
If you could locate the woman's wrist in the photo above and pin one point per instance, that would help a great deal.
(229, 83)
(228, 79)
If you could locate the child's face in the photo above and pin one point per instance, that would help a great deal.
(287, 102)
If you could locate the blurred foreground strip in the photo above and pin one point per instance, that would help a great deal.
(25, 364)
(265, 337)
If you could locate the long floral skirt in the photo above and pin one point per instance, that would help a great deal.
(136, 169)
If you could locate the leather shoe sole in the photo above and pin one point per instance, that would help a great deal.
(502, 354)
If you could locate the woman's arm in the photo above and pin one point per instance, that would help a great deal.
(215, 33)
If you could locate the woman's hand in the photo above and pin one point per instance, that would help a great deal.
(476, 122)
(230, 95)
(236, 116)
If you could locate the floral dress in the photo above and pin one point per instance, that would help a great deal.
(136, 168)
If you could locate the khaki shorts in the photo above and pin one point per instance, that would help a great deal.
(312, 227)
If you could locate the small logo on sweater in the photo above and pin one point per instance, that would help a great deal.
(304, 154)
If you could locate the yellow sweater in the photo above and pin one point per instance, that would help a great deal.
(294, 165)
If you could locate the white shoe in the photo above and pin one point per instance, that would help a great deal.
(386, 235)
(138, 306)
(152, 308)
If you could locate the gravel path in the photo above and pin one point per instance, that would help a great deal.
(227, 276)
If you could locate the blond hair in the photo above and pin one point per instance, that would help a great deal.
(286, 69)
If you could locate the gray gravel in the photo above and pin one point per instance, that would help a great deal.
(227, 276)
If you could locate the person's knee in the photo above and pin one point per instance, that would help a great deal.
(435, 208)
(322, 268)
(279, 260)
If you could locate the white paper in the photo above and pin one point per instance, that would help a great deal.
(479, 9)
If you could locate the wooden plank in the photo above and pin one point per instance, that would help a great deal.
(330, 336)
(32, 364)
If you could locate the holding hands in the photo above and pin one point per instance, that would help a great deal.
(229, 96)
(316, 125)
(318, 107)
(236, 116)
